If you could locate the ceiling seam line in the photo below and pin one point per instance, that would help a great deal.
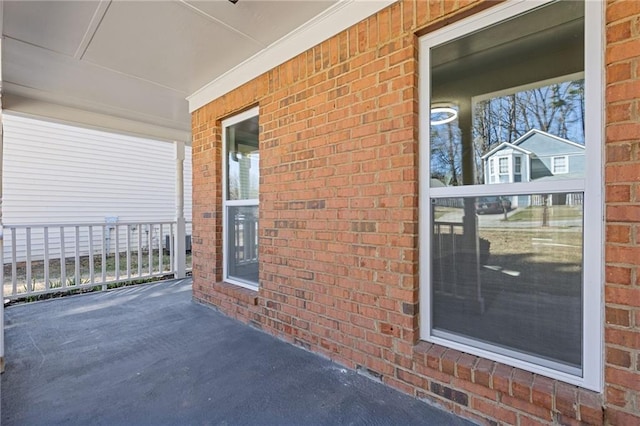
(155, 83)
(217, 21)
(92, 29)
(37, 46)
(63, 55)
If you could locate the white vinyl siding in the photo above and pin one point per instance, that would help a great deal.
(56, 173)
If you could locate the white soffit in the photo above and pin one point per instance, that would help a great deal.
(45, 20)
(150, 49)
(138, 61)
(332, 21)
(262, 21)
(40, 73)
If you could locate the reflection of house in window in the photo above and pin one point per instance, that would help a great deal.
(535, 156)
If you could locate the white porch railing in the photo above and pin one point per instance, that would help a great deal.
(53, 258)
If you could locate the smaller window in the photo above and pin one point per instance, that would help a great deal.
(241, 165)
(559, 165)
(503, 165)
(517, 168)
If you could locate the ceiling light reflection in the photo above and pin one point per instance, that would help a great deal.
(449, 114)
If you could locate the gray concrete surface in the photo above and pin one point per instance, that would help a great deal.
(148, 355)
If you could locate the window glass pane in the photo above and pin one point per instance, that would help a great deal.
(507, 275)
(242, 240)
(243, 160)
(516, 88)
(504, 165)
(559, 165)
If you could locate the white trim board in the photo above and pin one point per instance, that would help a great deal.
(29, 107)
(337, 18)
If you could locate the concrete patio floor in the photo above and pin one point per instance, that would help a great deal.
(149, 355)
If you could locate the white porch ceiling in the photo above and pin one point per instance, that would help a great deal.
(131, 65)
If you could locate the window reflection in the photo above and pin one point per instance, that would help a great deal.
(510, 277)
(518, 96)
(242, 238)
(243, 160)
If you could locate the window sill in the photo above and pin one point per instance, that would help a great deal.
(245, 295)
(551, 394)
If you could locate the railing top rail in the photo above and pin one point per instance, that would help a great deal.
(448, 223)
(69, 225)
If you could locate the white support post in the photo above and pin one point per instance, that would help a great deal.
(1, 227)
(180, 257)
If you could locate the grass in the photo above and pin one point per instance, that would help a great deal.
(542, 260)
(534, 214)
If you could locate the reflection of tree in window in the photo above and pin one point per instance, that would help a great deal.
(445, 153)
(557, 109)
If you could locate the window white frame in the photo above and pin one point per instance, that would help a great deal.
(591, 376)
(492, 170)
(226, 203)
(564, 159)
(517, 165)
(503, 165)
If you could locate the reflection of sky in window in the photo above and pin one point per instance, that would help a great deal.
(557, 109)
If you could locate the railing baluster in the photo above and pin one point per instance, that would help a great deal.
(128, 251)
(441, 259)
(189, 232)
(28, 261)
(454, 251)
(47, 284)
(92, 278)
(63, 260)
(2, 270)
(35, 253)
(172, 249)
(150, 242)
(14, 268)
(116, 252)
(139, 250)
(104, 257)
(77, 264)
(160, 251)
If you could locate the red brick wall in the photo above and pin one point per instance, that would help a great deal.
(338, 220)
(622, 180)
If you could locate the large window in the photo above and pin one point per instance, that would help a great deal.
(504, 270)
(240, 198)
